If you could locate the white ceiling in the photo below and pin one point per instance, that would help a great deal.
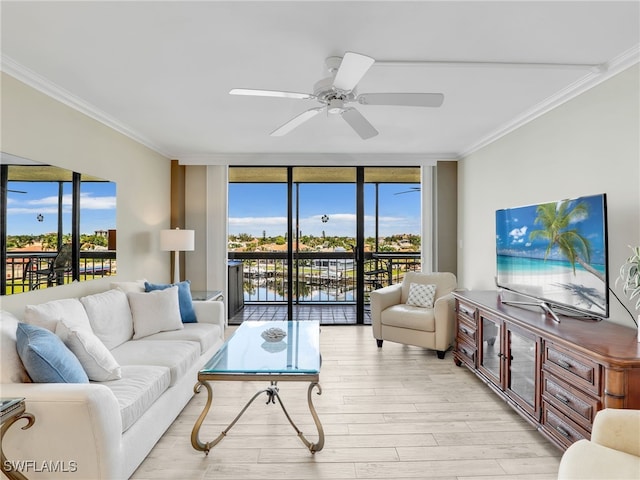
(161, 71)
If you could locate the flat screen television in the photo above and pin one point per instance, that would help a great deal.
(556, 254)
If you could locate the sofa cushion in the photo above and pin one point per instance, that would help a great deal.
(46, 358)
(139, 387)
(421, 295)
(110, 317)
(206, 334)
(176, 355)
(185, 302)
(11, 368)
(95, 358)
(47, 315)
(407, 316)
(154, 312)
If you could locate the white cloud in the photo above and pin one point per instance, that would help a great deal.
(51, 200)
(50, 204)
(339, 225)
(35, 211)
(517, 234)
(252, 221)
(89, 202)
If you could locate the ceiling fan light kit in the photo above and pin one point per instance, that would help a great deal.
(338, 90)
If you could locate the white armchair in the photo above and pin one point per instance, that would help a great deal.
(613, 453)
(428, 327)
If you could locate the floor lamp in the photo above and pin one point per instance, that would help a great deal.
(177, 241)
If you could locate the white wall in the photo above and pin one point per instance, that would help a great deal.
(588, 145)
(206, 213)
(37, 127)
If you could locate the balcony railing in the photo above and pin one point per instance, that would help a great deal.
(32, 270)
(318, 277)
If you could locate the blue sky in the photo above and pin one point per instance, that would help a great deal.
(513, 227)
(97, 207)
(254, 208)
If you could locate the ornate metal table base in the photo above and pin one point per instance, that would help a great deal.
(272, 394)
(12, 417)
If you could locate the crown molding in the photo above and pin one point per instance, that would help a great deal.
(315, 159)
(41, 84)
(607, 70)
(594, 67)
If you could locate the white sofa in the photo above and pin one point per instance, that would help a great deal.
(104, 430)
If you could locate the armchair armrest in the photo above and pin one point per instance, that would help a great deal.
(78, 423)
(445, 319)
(381, 299)
(618, 429)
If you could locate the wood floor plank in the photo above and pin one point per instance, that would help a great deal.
(429, 469)
(397, 413)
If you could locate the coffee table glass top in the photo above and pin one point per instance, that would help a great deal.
(248, 352)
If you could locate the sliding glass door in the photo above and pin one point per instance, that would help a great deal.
(322, 235)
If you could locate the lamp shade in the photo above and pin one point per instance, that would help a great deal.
(177, 240)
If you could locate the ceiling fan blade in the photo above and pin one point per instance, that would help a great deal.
(270, 93)
(402, 99)
(296, 121)
(352, 69)
(360, 124)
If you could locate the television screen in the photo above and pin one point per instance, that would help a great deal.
(556, 252)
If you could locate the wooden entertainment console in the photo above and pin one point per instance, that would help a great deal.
(556, 375)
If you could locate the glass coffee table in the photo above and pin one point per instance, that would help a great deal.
(265, 351)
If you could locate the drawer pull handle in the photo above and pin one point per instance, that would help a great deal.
(464, 351)
(563, 431)
(562, 398)
(564, 364)
(466, 311)
(464, 330)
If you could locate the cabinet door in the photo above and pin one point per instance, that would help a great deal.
(490, 348)
(522, 351)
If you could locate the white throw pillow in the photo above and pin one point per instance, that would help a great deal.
(110, 317)
(96, 359)
(421, 295)
(126, 287)
(47, 315)
(154, 312)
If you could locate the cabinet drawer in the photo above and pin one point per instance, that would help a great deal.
(573, 368)
(466, 353)
(560, 427)
(466, 331)
(466, 312)
(578, 405)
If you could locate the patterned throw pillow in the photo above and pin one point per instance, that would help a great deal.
(421, 295)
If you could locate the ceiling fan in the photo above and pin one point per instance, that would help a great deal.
(338, 91)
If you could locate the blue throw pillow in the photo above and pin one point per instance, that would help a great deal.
(46, 358)
(185, 302)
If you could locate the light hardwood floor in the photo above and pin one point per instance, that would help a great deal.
(395, 413)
